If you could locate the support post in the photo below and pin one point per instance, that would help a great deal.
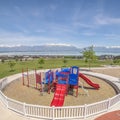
(109, 100)
(24, 109)
(85, 111)
(23, 76)
(53, 113)
(36, 78)
(6, 101)
(27, 77)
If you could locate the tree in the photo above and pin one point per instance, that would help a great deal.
(16, 58)
(2, 60)
(64, 61)
(89, 55)
(11, 64)
(41, 61)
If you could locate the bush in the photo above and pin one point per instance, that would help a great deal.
(11, 65)
(116, 61)
(2, 60)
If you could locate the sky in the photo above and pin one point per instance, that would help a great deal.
(80, 23)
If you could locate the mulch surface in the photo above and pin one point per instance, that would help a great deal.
(30, 95)
(115, 115)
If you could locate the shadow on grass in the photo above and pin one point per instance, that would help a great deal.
(40, 67)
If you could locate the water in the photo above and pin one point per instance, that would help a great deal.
(66, 53)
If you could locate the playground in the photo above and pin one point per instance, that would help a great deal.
(70, 88)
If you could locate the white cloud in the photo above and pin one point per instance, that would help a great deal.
(112, 46)
(11, 38)
(19, 11)
(105, 20)
(112, 36)
(89, 33)
(10, 45)
(83, 25)
(58, 44)
(53, 7)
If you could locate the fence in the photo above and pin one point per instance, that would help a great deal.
(55, 113)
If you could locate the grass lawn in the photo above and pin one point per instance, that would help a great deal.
(48, 63)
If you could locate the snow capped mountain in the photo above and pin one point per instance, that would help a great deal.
(59, 44)
(112, 47)
(60, 48)
(49, 47)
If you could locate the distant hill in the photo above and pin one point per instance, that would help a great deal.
(39, 48)
(107, 49)
(68, 49)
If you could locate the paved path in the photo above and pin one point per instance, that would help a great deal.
(114, 108)
(6, 114)
(115, 115)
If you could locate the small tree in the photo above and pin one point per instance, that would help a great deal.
(11, 65)
(2, 60)
(89, 56)
(41, 61)
(16, 58)
(64, 61)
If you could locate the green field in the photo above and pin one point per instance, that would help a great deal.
(48, 63)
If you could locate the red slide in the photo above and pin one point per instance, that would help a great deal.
(59, 95)
(96, 86)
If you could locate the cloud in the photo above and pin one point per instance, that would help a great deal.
(112, 36)
(105, 20)
(58, 44)
(19, 11)
(84, 25)
(53, 7)
(89, 33)
(19, 38)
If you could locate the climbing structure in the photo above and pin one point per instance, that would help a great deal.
(73, 78)
(60, 82)
(38, 80)
(66, 78)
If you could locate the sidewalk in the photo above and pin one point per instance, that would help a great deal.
(116, 107)
(6, 114)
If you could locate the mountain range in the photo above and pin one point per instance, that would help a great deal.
(57, 48)
(39, 48)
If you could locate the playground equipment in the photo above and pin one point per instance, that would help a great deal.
(60, 82)
(48, 79)
(96, 86)
(59, 95)
(38, 80)
(67, 78)
(25, 77)
(34, 78)
(73, 78)
(28, 77)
